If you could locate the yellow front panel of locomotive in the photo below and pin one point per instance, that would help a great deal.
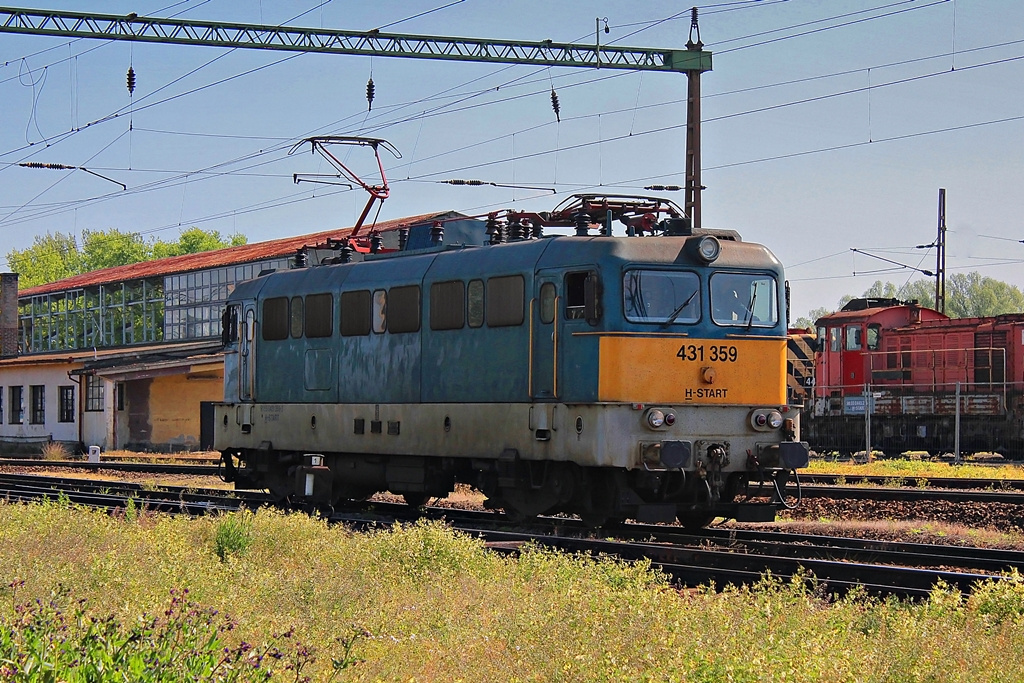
(699, 371)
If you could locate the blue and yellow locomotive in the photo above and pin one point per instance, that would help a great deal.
(611, 377)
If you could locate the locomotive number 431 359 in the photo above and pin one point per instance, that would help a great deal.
(716, 353)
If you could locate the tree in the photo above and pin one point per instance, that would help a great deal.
(195, 241)
(968, 295)
(808, 321)
(50, 258)
(59, 256)
(109, 248)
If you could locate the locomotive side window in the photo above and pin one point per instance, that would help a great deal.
(355, 313)
(379, 314)
(853, 340)
(229, 325)
(744, 299)
(297, 317)
(404, 313)
(319, 315)
(447, 305)
(874, 336)
(575, 295)
(547, 303)
(661, 296)
(275, 318)
(834, 342)
(505, 301)
(475, 302)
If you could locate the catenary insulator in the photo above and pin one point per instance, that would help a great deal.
(369, 94)
(515, 230)
(403, 238)
(346, 253)
(537, 230)
(582, 223)
(131, 80)
(555, 106)
(437, 232)
(300, 258)
(376, 243)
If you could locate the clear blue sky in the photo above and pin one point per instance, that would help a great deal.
(828, 126)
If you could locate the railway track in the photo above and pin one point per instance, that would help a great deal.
(719, 556)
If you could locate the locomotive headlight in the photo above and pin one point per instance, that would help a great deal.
(655, 419)
(775, 419)
(709, 248)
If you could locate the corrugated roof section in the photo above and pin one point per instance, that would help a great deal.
(245, 253)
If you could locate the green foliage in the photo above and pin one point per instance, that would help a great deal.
(59, 256)
(234, 534)
(968, 295)
(57, 640)
(195, 241)
(433, 604)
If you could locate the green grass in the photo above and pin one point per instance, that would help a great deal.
(913, 469)
(423, 603)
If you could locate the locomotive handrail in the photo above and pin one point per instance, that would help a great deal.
(968, 365)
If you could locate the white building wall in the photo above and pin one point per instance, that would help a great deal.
(50, 376)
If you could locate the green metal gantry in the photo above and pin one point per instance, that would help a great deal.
(692, 61)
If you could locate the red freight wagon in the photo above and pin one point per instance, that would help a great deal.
(905, 365)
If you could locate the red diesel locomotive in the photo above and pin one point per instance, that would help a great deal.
(908, 367)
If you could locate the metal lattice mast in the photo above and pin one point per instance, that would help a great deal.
(691, 61)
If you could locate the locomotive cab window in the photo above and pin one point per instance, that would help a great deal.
(575, 295)
(874, 336)
(853, 338)
(661, 296)
(744, 299)
(834, 339)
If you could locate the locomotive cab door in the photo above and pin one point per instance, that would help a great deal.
(247, 352)
(544, 337)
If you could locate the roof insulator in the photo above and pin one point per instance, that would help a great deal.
(131, 81)
(369, 94)
(555, 105)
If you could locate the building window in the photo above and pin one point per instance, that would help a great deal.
(505, 301)
(93, 394)
(38, 394)
(119, 390)
(66, 407)
(16, 407)
(1, 405)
